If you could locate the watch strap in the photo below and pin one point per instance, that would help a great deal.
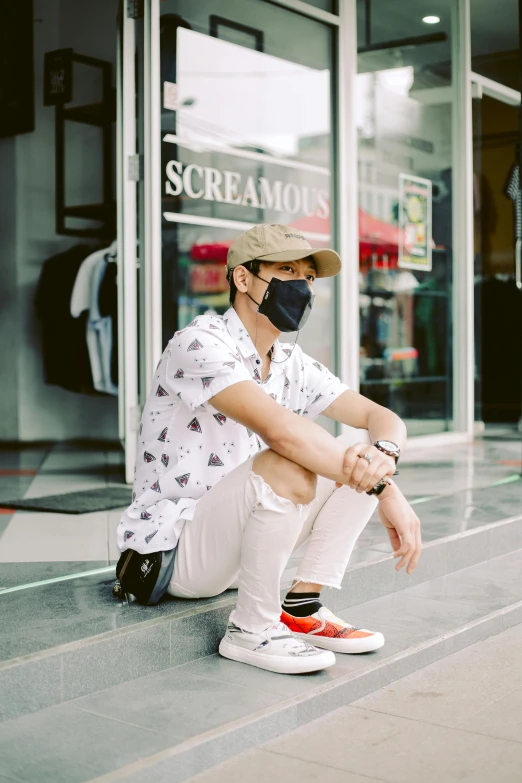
(380, 486)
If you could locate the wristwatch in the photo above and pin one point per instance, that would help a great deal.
(380, 486)
(388, 447)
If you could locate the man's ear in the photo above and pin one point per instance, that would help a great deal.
(240, 278)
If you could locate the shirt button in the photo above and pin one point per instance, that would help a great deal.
(258, 361)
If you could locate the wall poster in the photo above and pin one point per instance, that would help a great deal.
(415, 223)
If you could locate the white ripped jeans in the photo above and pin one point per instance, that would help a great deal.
(243, 534)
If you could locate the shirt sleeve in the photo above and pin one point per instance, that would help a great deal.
(512, 188)
(321, 387)
(202, 361)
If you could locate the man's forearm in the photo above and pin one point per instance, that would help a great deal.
(383, 424)
(309, 445)
(301, 440)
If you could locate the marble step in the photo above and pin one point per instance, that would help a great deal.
(66, 640)
(173, 724)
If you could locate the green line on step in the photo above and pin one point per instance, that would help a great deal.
(507, 480)
(416, 501)
(55, 579)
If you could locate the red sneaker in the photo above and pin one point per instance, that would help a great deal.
(324, 629)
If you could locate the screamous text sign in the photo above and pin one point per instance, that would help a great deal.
(414, 223)
(244, 186)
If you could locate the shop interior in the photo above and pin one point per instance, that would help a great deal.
(405, 125)
(58, 317)
(498, 306)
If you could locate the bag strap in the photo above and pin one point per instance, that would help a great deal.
(124, 566)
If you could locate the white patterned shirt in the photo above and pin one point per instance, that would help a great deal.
(185, 445)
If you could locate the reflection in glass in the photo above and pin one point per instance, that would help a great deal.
(245, 139)
(404, 130)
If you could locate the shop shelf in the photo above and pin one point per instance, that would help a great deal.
(384, 292)
(91, 114)
(92, 211)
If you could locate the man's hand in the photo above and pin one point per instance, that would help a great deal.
(403, 527)
(361, 474)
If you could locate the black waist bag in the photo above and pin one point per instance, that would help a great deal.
(146, 577)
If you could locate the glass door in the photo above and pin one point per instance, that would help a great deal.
(405, 171)
(498, 239)
(246, 137)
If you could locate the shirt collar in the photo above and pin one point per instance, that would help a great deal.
(247, 349)
(239, 334)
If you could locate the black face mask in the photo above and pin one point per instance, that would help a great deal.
(286, 303)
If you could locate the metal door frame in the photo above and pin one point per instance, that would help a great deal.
(127, 235)
(152, 188)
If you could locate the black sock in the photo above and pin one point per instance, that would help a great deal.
(301, 604)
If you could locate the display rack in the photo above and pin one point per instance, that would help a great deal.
(382, 386)
(101, 115)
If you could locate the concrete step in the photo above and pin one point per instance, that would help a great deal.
(174, 723)
(67, 640)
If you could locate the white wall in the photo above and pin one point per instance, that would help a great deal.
(49, 412)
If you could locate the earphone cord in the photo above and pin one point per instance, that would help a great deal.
(289, 355)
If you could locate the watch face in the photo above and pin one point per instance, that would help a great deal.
(388, 445)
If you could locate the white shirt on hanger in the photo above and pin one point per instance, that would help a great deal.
(99, 328)
(99, 333)
(81, 293)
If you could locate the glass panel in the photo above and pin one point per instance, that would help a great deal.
(498, 312)
(246, 138)
(405, 226)
(325, 5)
(495, 41)
(496, 157)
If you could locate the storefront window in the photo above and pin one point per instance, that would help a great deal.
(495, 43)
(246, 138)
(498, 311)
(405, 206)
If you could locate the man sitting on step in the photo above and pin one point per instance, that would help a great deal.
(233, 472)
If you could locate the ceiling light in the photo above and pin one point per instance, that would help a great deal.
(431, 19)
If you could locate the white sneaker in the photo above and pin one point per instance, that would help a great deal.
(275, 649)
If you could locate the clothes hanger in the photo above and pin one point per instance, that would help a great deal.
(112, 252)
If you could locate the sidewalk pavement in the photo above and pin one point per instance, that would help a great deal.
(459, 719)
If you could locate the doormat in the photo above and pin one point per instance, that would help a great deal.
(83, 502)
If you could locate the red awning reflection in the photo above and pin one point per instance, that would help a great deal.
(378, 232)
(376, 238)
(214, 251)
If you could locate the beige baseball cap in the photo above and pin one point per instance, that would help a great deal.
(274, 242)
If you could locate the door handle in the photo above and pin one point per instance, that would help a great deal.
(518, 263)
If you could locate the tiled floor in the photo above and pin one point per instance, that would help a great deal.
(103, 730)
(56, 544)
(453, 489)
(430, 731)
(457, 719)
